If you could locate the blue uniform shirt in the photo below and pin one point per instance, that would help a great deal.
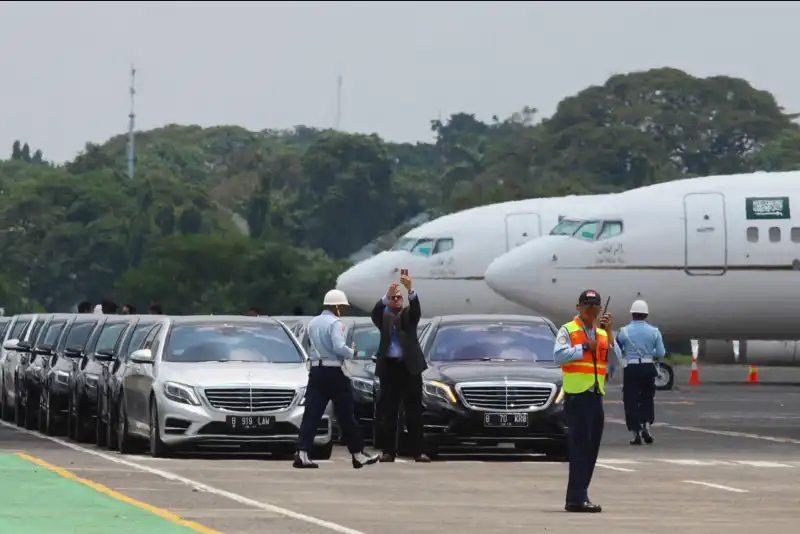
(564, 352)
(640, 342)
(395, 351)
(328, 340)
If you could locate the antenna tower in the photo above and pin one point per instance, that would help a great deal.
(338, 102)
(131, 123)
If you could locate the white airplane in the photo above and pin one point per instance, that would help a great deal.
(447, 257)
(715, 257)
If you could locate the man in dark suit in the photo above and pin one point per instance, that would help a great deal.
(399, 366)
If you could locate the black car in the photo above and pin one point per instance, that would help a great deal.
(31, 364)
(110, 383)
(96, 354)
(492, 380)
(56, 372)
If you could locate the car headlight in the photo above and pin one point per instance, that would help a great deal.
(559, 397)
(180, 393)
(62, 377)
(438, 389)
(302, 396)
(362, 385)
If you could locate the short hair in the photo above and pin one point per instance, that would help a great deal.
(639, 316)
(131, 308)
(108, 306)
(254, 310)
(85, 307)
(155, 309)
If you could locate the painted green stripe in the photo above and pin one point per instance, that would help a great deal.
(34, 500)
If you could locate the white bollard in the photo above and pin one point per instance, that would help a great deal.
(736, 350)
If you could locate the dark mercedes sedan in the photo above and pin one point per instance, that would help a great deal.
(492, 380)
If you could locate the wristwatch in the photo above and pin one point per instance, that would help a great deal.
(585, 346)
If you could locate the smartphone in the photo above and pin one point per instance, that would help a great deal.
(403, 272)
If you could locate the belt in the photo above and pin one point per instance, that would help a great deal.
(326, 363)
(639, 360)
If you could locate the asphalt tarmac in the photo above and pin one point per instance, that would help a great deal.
(726, 459)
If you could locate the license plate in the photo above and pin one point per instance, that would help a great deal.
(250, 421)
(505, 419)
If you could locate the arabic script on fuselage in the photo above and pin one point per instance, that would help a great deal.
(610, 254)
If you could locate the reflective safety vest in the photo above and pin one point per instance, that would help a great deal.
(580, 375)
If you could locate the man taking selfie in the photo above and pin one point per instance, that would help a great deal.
(399, 366)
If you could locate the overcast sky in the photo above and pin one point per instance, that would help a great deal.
(64, 65)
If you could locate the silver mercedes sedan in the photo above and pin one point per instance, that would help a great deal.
(217, 381)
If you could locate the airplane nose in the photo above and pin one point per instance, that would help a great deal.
(511, 276)
(364, 283)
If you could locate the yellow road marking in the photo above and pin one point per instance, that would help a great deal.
(685, 403)
(160, 512)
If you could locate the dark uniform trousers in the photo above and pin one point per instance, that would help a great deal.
(585, 421)
(638, 394)
(399, 386)
(325, 384)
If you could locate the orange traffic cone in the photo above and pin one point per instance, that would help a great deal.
(752, 375)
(694, 376)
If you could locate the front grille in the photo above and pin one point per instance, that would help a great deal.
(250, 400)
(506, 397)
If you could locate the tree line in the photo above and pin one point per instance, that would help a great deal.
(219, 219)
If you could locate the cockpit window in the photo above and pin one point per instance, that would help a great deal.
(588, 230)
(610, 229)
(404, 243)
(443, 245)
(565, 227)
(423, 247)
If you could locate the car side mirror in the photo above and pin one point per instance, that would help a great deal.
(10, 344)
(103, 355)
(142, 356)
(374, 357)
(73, 352)
(44, 350)
(24, 346)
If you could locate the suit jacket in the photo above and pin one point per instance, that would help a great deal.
(406, 336)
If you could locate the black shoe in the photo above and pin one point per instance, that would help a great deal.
(361, 459)
(303, 461)
(583, 508)
(422, 459)
(387, 458)
(637, 440)
(648, 438)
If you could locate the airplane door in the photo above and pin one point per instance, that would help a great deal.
(706, 234)
(522, 227)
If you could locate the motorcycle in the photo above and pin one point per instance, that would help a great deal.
(665, 376)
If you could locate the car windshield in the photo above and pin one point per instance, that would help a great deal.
(366, 338)
(226, 342)
(516, 341)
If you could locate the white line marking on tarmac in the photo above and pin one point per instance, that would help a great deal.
(615, 468)
(760, 463)
(341, 529)
(694, 462)
(716, 486)
(618, 461)
(718, 432)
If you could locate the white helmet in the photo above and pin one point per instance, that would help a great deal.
(640, 306)
(335, 297)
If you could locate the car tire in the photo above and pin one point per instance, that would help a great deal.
(100, 432)
(19, 409)
(31, 410)
(111, 427)
(124, 440)
(5, 410)
(50, 422)
(322, 452)
(158, 449)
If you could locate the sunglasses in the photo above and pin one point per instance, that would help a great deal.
(397, 297)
